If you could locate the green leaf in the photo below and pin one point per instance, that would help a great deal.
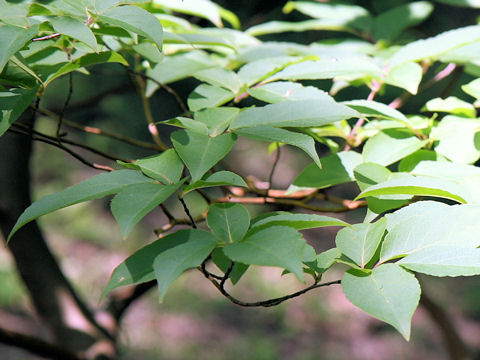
(220, 77)
(224, 263)
(131, 204)
(177, 67)
(389, 146)
(267, 133)
(149, 51)
(258, 70)
(86, 60)
(171, 263)
(75, 29)
(275, 27)
(446, 170)
(201, 8)
(229, 222)
(406, 76)
(389, 293)
(463, 3)
(278, 246)
(95, 187)
(336, 169)
(12, 39)
(444, 261)
(390, 24)
(138, 268)
(189, 124)
(435, 46)
(360, 241)
(371, 108)
(12, 104)
(135, 19)
(429, 225)
(218, 119)
(294, 220)
(328, 69)
(451, 105)
(286, 90)
(205, 96)
(324, 260)
(409, 162)
(458, 139)
(368, 174)
(201, 152)
(472, 88)
(418, 185)
(166, 167)
(302, 113)
(220, 178)
(14, 14)
(344, 14)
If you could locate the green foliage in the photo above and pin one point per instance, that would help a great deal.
(400, 155)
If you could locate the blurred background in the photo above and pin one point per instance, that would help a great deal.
(195, 321)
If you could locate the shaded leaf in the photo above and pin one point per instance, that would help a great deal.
(171, 263)
(201, 152)
(390, 24)
(278, 246)
(224, 263)
(135, 19)
(95, 187)
(131, 204)
(12, 104)
(86, 60)
(75, 29)
(336, 169)
(229, 222)
(220, 178)
(267, 133)
(12, 39)
(166, 167)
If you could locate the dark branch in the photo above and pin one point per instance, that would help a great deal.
(36, 346)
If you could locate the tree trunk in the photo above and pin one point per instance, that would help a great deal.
(70, 322)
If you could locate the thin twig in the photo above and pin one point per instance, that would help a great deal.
(64, 148)
(101, 132)
(47, 37)
(270, 302)
(167, 88)
(65, 105)
(187, 211)
(348, 205)
(374, 89)
(274, 166)
(152, 127)
(74, 143)
(402, 99)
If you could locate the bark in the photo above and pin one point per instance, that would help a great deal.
(71, 324)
